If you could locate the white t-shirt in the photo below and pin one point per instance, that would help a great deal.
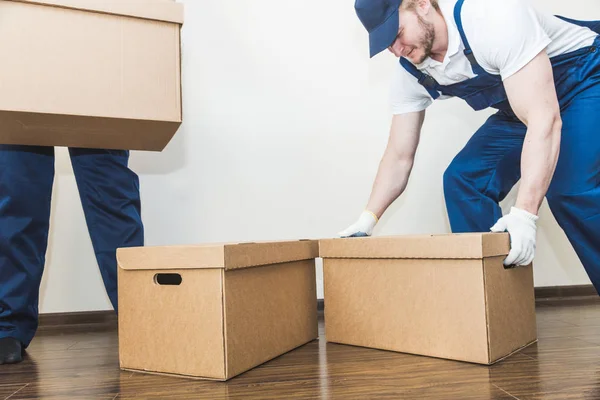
(504, 36)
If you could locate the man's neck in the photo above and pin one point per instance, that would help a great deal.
(440, 44)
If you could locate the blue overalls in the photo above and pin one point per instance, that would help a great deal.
(486, 169)
(109, 193)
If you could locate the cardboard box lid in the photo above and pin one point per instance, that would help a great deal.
(158, 10)
(226, 256)
(451, 246)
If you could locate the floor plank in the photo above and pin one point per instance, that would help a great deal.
(82, 363)
(6, 391)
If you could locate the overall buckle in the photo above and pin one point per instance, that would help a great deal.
(428, 81)
(471, 57)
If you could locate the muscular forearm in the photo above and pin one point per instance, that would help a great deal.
(393, 172)
(532, 96)
(390, 182)
(538, 162)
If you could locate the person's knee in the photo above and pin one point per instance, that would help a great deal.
(573, 185)
(581, 203)
(454, 178)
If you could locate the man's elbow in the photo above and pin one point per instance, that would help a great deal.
(556, 135)
(404, 158)
(549, 131)
(548, 124)
(399, 160)
(555, 124)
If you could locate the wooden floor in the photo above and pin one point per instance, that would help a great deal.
(82, 363)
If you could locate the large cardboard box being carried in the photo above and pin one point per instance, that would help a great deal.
(446, 296)
(90, 73)
(215, 311)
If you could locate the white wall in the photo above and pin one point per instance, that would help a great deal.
(285, 121)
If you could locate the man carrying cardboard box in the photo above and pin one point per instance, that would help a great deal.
(542, 74)
(110, 196)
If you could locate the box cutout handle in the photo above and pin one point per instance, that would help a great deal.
(167, 279)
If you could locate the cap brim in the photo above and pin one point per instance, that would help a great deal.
(382, 37)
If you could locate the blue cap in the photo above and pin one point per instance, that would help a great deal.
(380, 18)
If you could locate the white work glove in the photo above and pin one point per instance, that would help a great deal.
(362, 227)
(521, 227)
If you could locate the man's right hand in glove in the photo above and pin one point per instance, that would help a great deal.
(362, 227)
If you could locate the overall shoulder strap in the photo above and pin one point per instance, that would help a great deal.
(427, 81)
(593, 25)
(468, 52)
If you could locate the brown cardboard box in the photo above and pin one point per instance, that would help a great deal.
(446, 296)
(90, 73)
(231, 307)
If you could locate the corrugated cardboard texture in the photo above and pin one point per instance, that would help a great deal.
(457, 246)
(160, 10)
(172, 329)
(510, 301)
(86, 75)
(429, 307)
(268, 311)
(217, 255)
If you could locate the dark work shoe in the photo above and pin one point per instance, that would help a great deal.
(11, 351)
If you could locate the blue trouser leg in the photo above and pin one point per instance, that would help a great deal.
(110, 196)
(26, 178)
(483, 173)
(574, 193)
(486, 169)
